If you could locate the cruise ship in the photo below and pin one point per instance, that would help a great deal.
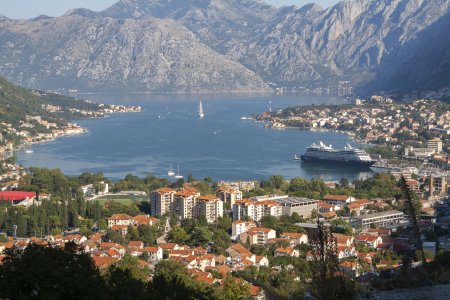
(347, 156)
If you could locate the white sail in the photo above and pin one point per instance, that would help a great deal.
(178, 176)
(170, 172)
(201, 113)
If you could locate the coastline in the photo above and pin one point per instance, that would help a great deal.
(83, 130)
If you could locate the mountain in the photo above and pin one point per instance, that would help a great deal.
(214, 21)
(194, 45)
(347, 41)
(105, 54)
(428, 68)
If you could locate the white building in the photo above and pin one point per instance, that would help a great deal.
(239, 226)
(209, 207)
(161, 201)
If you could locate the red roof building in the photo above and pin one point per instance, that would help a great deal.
(16, 196)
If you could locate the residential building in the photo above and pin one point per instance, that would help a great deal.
(370, 240)
(435, 144)
(381, 219)
(255, 210)
(209, 207)
(288, 251)
(185, 203)
(239, 226)
(155, 254)
(302, 206)
(229, 195)
(161, 201)
(257, 235)
(340, 200)
(295, 238)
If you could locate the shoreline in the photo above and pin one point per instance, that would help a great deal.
(83, 129)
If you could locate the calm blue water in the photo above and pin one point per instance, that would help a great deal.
(221, 145)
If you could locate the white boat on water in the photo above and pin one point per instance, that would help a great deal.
(201, 113)
(170, 172)
(28, 150)
(178, 176)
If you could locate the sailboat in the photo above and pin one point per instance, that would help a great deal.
(201, 113)
(178, 176)
(170, 172)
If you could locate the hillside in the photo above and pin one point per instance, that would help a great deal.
(24, 114)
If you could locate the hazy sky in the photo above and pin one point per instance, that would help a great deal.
(16, 9)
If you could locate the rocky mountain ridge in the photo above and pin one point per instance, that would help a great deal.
(198, 45)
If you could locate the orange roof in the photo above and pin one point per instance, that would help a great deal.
(363, 201)
(284, 250)
(208, 198)
(168, 246)
(255, 290)
(323, 204)
(164, 190)
(336, 197)
(143, 219)
(366, 238)
(292, 235)
(150, 249)
(224, 270)
(255, 230)
(103, 261)
(135, 244)
(120, 217)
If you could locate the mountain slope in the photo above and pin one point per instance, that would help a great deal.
(104, 54)
(428, 68)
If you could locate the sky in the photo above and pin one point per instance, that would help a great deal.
(24, 9)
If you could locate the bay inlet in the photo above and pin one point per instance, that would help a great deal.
(221, 145)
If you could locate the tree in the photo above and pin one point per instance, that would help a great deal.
(178, 235)
(232, 289)
(127, 279)
(40, 272)
(171, 282)
(327, 282)
(200, 236)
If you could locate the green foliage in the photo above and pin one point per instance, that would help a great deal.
(126, 279)
(178, 235)
(134, 183)
(39, 272)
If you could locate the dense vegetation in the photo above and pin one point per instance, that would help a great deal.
(40, 272)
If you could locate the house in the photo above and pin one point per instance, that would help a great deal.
(383, 232)
(339, 200)
(370, 240)
(344, 240)
(119, 219)
(288, 251)
(350, 268)
(239, 226)
(295, 238)
(155, 254)
(346, 251)
(261, 261)
(238, 252)
(103, 262)
(325, 207)
(258, 235)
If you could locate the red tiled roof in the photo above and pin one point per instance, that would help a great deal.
(336, 197)
(16, 195)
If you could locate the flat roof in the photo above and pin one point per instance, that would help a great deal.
(380, 214)
(295, 200)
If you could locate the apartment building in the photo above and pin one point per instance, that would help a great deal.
(210, 207)
(239, 226)
(185, 203)
(255, 210)
(161, 201)
(258, 235)
(229, 195)
(382, 219)
(435, 144)
(302, 206)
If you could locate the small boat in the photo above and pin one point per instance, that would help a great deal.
(296, 157)
(28, 149)
(201, 113)
(170, 172)
(178, 176)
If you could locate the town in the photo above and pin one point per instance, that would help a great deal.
(216, 230)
